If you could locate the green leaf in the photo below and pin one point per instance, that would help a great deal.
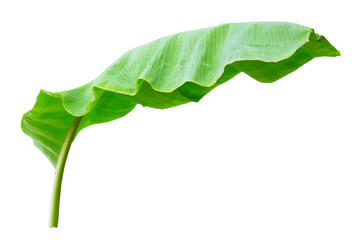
(168, 72)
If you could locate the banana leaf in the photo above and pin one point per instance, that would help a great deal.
(168, 72)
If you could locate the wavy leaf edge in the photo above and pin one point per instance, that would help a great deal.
(139, 81)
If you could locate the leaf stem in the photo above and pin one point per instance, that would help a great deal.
(55, 202)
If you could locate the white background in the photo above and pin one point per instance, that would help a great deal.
(249, 161)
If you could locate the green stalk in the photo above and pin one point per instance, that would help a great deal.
(55, 202)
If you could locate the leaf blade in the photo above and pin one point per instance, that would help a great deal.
(174, 70)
